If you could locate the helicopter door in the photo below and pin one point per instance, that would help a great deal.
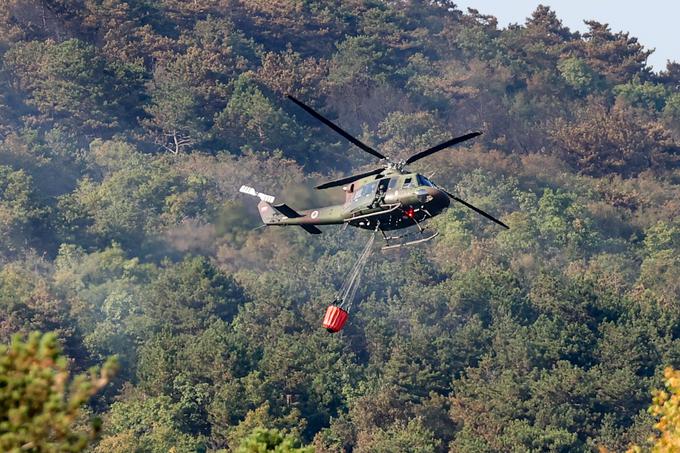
(364, 196)
(380, 193)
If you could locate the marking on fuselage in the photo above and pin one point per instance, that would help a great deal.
(315, 214)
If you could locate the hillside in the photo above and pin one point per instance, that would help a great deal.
(127, 127)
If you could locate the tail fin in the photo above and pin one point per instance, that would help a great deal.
(272, 215)
(269, 214)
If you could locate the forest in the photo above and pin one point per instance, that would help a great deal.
(127, 127)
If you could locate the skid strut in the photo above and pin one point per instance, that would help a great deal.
(416, 241)
(421, 231)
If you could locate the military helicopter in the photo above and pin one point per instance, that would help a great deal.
(387, 198)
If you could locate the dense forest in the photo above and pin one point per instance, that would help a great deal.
(127, 126)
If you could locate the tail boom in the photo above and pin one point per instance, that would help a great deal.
(282, 214)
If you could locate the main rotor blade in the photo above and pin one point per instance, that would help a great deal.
(336, 128)
(476, 209)
(348, 179)
(441, 146)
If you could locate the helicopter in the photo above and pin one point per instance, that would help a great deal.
(390, 197)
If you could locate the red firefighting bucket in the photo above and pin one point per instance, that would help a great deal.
(335, 318)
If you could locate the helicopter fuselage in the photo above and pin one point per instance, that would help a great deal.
(389, 203)
(395, 201)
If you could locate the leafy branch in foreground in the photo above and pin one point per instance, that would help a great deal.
(40, 407)
(666, 406)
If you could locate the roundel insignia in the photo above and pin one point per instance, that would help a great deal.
(315, 214)
(264, 208)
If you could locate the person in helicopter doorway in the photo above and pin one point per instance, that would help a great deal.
(380, 193)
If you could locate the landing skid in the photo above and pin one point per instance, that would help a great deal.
(403, 244)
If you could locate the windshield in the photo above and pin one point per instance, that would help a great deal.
(423, 181)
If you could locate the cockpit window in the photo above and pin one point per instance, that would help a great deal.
(407, 183)
(423, 181)
(369, 189)
(366, 190)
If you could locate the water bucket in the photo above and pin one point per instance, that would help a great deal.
(335, 319)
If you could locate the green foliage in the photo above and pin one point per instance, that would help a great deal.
(150, 424)
(671, 111)
(251, 120)
(659, 273)
(402, 131)
(188, 296)
(28, 303)
(132, 202)
(402, 438)
(662, 236)
(20, 210)
(271, 440)
(561, 222)
(354, 61)
(40, 405)
(648, 96)
(69, 83)
(579, 75)
(175, 108)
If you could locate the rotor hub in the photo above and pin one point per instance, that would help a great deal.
(395, 166)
